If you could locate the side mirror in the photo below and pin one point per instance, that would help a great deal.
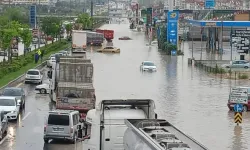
(156, 116)
(49, 74)
(18, 102)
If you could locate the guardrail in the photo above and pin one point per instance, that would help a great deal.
(21, 78)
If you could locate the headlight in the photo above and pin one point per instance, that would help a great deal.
(27, 76)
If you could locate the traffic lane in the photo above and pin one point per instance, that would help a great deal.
(16, 128)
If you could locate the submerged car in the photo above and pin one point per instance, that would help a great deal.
(237, 64)
(109, 49)
(125, 38)
(148, 66)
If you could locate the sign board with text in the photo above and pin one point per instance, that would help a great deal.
(172, 27)
(209, 4)
(239, 95)
(240, 39)
(32, 16)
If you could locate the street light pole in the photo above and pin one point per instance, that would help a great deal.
(38, 22)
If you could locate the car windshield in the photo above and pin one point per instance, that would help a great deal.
(33, 72)
(62, 120)
(12, 92)
(7, 102)
(149, 64)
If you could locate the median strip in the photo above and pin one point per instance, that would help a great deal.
(14, 70)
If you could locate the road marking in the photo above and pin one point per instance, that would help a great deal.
(26, 116)
(3, 139)
(19, 84)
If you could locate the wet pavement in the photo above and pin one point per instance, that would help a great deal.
(184, 95)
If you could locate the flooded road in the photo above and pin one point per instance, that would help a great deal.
(187, 97)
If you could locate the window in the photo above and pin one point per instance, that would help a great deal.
(88, 129)
(148, 64)
(235, 62)
(12, 92)
(75, 119)
(7, 102)
(33, 72)
(241, 62)
(58, 119)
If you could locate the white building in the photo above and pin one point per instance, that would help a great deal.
(26, 2)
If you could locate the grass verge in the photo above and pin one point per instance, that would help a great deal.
(50, 49)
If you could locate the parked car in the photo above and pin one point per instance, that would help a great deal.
(109, 49)
(125, 38)
(10, 106)
(62, 124)
(16, 92)
(237, 64)
(3, 125)
(43, 88)
(51, 60)
(148, 66)
(33, 76)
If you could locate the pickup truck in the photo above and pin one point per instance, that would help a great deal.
(3, 125)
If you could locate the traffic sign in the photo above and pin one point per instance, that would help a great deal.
(239, 95)
(238, 108)
(209, 4)
(238, 117)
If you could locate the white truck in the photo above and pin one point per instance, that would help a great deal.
(79, 40)
(105, 127)
(157, 134)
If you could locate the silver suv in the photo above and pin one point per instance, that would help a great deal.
(62, 124)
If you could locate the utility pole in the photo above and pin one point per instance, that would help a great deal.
(38, 22)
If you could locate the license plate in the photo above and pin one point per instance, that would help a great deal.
(58, 129)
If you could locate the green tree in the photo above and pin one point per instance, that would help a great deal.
(68, 29)
(26, 36)
(51, 26)
(84, 21)
(10, 31)
(17, 14)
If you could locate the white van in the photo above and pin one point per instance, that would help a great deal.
(62, 124)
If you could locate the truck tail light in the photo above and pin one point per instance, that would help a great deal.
(71, 130)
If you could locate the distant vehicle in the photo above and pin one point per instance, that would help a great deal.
(18, 93)
(148, 66)
(237, 64)
(33, 76)
(62, 124)
(3, 125)
(65, 53)
(154, 43)
(109, 49)
(10, 106)
(43, 88)
(51, 60)
(125, 38)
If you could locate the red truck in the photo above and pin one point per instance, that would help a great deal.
(108, 34)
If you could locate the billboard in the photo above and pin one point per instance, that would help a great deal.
(172, 27)
(209, 4)
(149, 16)
(32, 16)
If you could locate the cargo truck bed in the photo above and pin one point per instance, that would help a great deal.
(159, 134)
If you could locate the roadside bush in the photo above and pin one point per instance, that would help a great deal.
(243, 76)
(219, 70)
(22, 61)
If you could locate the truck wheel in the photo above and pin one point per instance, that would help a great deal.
(46, 140)
(43, 91)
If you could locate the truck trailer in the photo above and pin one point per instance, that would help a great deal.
(79, 40)
(157, 134)
(72, 84)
